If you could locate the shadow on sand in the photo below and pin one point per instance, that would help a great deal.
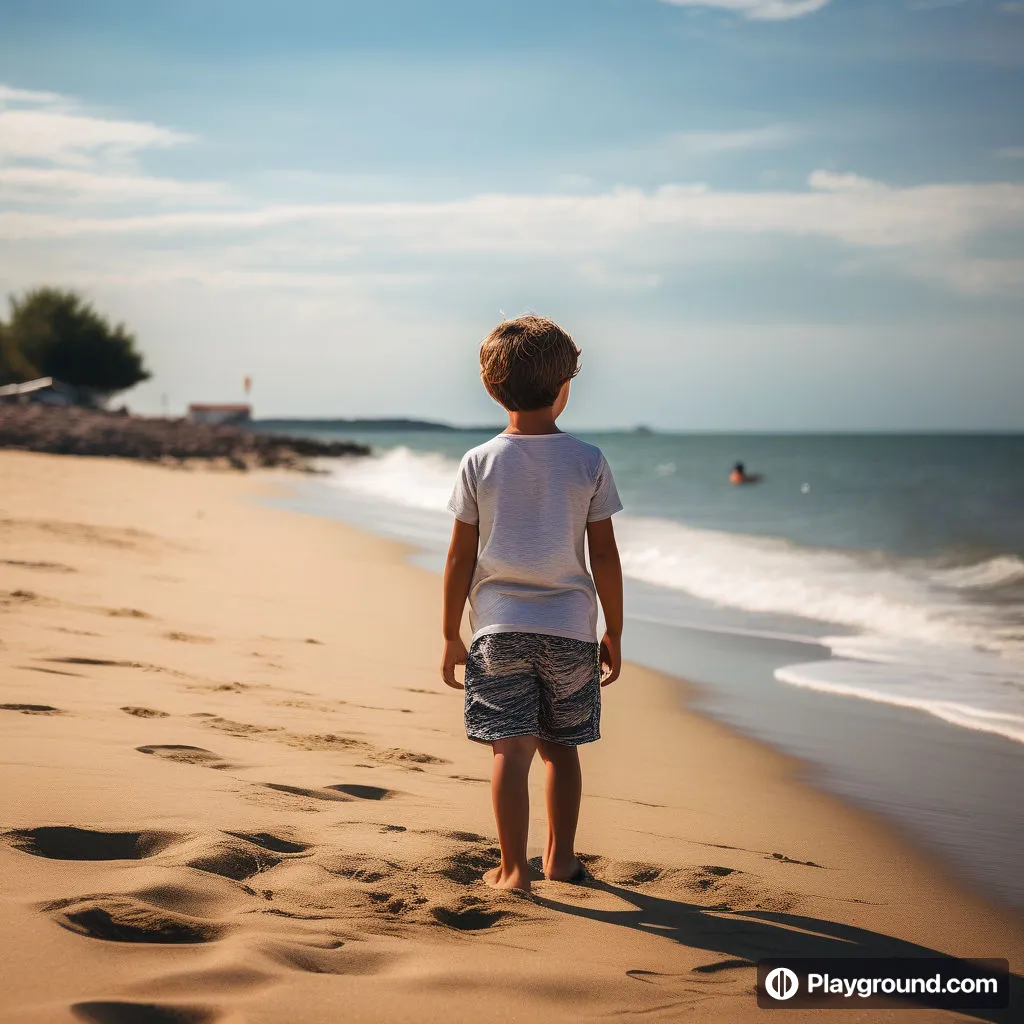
(755, 935)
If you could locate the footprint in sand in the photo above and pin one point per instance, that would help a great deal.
(327, 960)
(468, 866)
(277, 844)
(338, 792)
(467, 918)
(189, 638)
(101, 662)
(359, 868)
(65, 842)
(236, 860)
(181, 753)
(244, 729)
(39, 566)
(127, 613)
(32, 709)
(50, 671)
(140, 712)
(411, 760)
(783, 859)
(116, 1012)
(115, 918)
(363, 792)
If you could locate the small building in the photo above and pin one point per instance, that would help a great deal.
(234, 415)
(41, 391)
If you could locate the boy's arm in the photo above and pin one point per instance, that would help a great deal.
(458, 573)
(607, 572)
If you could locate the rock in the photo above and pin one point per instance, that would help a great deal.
(75, 431)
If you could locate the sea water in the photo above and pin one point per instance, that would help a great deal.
(884, 573)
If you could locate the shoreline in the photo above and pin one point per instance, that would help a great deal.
(932, 783)
(301, 661)
(688, 695)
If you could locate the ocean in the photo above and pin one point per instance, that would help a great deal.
(862, 607)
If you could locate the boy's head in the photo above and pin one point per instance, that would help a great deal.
(524, 362)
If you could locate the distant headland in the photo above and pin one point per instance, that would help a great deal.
(299, 423)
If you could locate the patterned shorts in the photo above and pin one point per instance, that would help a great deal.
(531, 684)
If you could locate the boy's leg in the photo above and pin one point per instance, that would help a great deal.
(511, 796)
(563, 790)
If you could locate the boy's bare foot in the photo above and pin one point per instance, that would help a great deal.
(505, 878)
(571, 869)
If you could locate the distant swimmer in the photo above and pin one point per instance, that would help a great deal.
(739, 475)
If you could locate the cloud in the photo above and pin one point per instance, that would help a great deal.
(66, 174)
(76, 140)
(683, 148)
(737, 141)
(33, 184)
(11, 95)
(759, 10)
(50, 147)
(926, 231)
(974, 275)
(828, 181)
(669, 156)
(842, 207)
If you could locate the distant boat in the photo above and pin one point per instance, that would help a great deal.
(642, 431)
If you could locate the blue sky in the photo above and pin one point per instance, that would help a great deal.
(751, 214)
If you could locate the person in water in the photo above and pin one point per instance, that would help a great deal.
(739, 475)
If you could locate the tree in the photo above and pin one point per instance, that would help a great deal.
(13, 367)
(54, 333)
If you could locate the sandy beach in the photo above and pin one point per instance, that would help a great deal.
(234, 789)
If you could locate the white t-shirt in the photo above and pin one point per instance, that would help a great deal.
(532, 496)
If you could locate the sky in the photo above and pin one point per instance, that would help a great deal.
(750, 214)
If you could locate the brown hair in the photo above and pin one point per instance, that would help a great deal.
(524, 362)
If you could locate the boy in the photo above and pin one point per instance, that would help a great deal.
(523, 503)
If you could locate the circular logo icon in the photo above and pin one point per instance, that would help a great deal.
(782, 983)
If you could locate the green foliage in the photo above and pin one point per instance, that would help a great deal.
(54, 333)
(13, 366)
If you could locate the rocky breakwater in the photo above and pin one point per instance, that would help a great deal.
(74, 431)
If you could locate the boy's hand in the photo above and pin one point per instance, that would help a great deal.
(455, 653)
(611, 658)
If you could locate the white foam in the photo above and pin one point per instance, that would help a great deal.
(757, 574)
(991, 704)
(925, 637)
(764, 574)
(1000, 571)
(402, 476)
(884, 650)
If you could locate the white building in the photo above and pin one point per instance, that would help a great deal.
(235, 415)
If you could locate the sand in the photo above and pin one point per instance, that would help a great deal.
(235, 789)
